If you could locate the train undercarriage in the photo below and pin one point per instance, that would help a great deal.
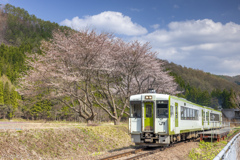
(151, 139)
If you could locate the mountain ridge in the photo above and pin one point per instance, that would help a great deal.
(234, 79)
(204, 80)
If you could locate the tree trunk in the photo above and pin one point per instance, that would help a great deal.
(116, 121)
(90, 120)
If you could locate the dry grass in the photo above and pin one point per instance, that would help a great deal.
(62, 141)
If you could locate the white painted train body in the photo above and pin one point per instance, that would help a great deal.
(161, 119)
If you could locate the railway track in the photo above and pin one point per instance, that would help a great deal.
(127, 154)
(123, 154)
(133, 155)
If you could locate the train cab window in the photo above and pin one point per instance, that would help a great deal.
(148, 111)
(136, 111)
(162, 110)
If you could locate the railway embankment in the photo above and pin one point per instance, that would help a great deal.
(39, 140)
(60, 141)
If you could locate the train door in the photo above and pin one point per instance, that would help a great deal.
(207, 117)
(203, 118)
(148, 116)
(176, 114)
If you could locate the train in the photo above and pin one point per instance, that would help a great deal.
(162, 120)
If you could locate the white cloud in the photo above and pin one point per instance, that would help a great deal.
(107, 21)
(155, 26)
(203, 44)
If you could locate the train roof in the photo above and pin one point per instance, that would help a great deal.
(157, 96)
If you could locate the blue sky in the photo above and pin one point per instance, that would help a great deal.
(201, 34)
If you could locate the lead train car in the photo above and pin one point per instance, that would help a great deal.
(161, 120)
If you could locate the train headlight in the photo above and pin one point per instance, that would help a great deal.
(148, 97)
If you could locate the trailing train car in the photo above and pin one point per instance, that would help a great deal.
(161, 119)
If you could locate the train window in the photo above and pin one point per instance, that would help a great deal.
(136, 111)
(182, 112)
(162, 110)
(185, 113)
(189, 113)
(148, 110)
(196, 114)
(214, 117)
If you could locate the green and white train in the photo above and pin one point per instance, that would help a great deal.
(161, 119)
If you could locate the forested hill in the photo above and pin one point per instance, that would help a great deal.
(20, 32)
(18, 27)
(203, 80)
(205, 88)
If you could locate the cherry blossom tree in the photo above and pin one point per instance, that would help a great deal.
(85, 70)
(64, 72)
(134, 69)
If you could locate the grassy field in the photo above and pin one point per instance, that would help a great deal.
(40, 140)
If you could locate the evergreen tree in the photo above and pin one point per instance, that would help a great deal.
(214, 103)
(13, 98)
(1, 94)
(204, 98)
(6, 93)
(7, 101)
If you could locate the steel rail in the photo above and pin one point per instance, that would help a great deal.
(123, 154)
(145, 154)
